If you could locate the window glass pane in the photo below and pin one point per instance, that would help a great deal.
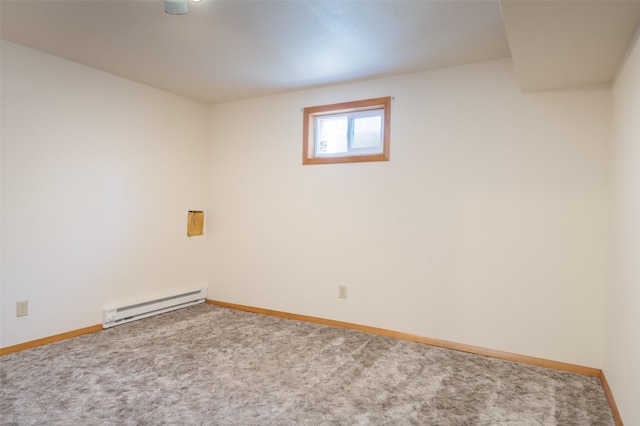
(332, 135)
(367, 132)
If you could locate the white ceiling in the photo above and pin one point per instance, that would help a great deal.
(234, 49)
(558, 44)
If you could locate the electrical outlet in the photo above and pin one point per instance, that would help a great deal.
(342, 292)
(22, 308)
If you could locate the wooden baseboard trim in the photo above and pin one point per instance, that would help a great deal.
(51, 339)
(612, 403)
(540, 362)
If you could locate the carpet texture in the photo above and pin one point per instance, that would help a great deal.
(207, 365)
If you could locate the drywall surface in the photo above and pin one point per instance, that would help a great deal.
(487, 227)
(622, 349)
(98, 174)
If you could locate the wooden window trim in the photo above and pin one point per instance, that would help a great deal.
(308, 137)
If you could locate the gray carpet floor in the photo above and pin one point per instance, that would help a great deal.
(207, 365)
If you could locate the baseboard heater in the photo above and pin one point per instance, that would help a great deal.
(136, 311)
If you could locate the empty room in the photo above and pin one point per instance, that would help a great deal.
(251, 212)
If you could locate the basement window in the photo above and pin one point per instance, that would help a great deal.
(349, 132)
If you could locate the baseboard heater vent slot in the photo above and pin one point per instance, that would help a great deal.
(124, 314)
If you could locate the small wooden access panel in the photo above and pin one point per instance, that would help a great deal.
(195, 223)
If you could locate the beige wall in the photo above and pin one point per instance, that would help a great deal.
(98, 174)
(487, 227)
(622, 348)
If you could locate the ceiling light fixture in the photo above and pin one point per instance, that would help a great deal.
(176, 7)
